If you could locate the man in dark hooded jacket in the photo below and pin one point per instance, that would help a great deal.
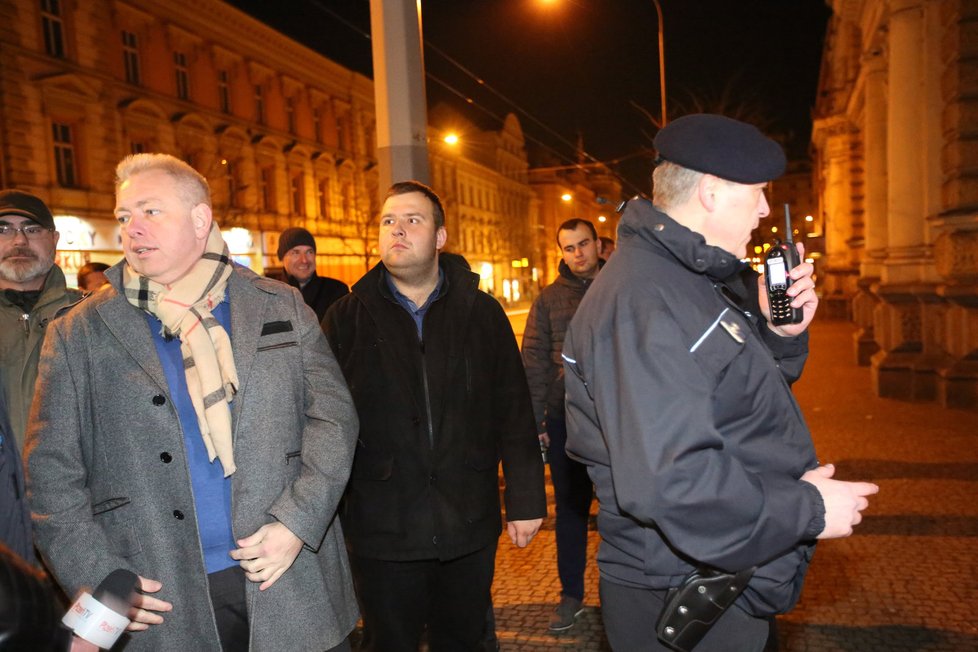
(543, 339)
(678, 399)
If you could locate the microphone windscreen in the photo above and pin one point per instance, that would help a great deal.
(116, 590)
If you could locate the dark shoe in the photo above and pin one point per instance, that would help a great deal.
(566, 613)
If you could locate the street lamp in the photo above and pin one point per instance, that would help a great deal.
(662, 61)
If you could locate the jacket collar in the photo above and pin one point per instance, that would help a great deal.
(373, 285)
(567, 277)
(294, 282)
(128, 325)
(643, 223)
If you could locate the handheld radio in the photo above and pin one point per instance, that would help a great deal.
(781, 259)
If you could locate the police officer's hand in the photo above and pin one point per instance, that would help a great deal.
(521, 532)
(802, 293)
(844, 501)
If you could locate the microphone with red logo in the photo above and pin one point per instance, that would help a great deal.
(102, 617)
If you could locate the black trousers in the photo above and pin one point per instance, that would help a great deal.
(630, 614)
(572, 497)
(398, 599)
(227, 589)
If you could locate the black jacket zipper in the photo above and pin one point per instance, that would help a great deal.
(427, 396)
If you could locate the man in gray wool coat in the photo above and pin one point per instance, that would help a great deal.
(191, 425)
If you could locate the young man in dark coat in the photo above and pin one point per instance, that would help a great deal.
(678, 399)
(543, 340)
(297, 251)
(437, 380)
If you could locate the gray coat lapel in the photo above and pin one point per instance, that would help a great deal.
(128, 324)
(247, 313)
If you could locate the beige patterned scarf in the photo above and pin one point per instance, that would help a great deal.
(185, 307)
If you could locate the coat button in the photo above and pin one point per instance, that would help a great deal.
(177, 514)
(434, 540)
(433, 478)
(165, 457)
(159, 399)
(416, 421)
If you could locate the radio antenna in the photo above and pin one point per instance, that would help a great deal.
(787, 224)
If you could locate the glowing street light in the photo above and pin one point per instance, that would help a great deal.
(662, 57)
(451, 139)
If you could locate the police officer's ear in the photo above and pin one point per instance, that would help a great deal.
(707, 190)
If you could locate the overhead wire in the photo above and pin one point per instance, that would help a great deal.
(594, 161)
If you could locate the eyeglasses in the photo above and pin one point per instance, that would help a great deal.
(31, 232)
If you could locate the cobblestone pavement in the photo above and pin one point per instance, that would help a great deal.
(906, 581)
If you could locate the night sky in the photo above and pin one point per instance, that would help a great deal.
(578, 66)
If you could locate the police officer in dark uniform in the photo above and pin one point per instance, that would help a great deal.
(679, 399)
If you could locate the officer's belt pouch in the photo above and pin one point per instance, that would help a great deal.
(697, 604)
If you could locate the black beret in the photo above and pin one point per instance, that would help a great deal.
(294, 237)
(18, 202)
(721, 146)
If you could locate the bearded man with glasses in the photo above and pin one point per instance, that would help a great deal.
(32, 290)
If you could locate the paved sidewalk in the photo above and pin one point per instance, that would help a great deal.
(908, 580)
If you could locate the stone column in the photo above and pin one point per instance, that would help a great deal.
(837, 162)
(956, 228)
(873, 131)
(904, 368)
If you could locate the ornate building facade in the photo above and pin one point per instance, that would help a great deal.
(896, 127)
(482, 177)
(285, 137)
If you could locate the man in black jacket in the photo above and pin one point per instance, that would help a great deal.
(543, 340)
(678, 399)
(437, 380)
(297, 251)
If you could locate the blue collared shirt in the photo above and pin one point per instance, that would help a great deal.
(417, 314)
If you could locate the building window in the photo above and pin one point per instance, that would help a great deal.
(322, 197)
(64, 155)
(52, 24)
(224, 91)
(130, 56)
(182, 75)
(231, 172)
(297, 195)
(266, 189)
(290, 114)
(259, 104)
(316, 126)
